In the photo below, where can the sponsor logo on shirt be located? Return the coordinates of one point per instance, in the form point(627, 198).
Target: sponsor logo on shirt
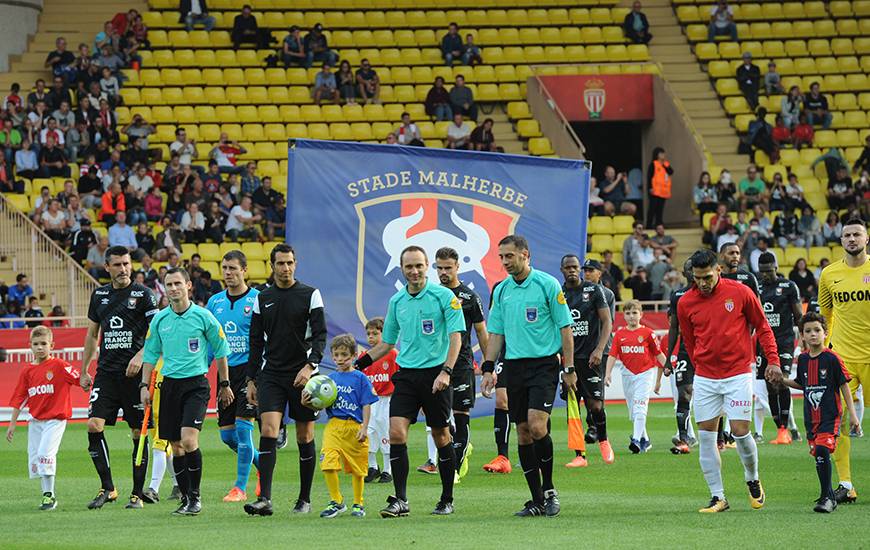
point(116, 338)
point(42, 389)
point(137, 293)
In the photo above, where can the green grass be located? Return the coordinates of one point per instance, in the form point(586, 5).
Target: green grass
point(648, 500)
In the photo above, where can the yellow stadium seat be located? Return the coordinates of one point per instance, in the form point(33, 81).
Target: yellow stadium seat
point(208, 58)
point(748, 12)
point(803, 29)
point(796, 48)
point(819, 47)
point(540, 146)
point(162, 114)
point(209, 252)
point(149, 96)
point(601, 242)
point(297, 130)
point(730, 50)
point(310, 113)
point(805, 65)
point(518, 110)
point(340, 131)
point(332, 113)
point(706, 51)
point(818, 253)
point(529, 35)
point(727, 86)
point(213, 77)
point(848, 138)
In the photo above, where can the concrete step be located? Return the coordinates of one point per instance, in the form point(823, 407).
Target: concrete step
point(660, 51)
point(691, 87)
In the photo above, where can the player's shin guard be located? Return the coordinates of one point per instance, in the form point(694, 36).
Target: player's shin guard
point(99, 451)
point(600, 419)
point(141, 471)
point(460, 437)
point(194, 471)
point(268, 446)
point(683, 418)
point(711, 463)
point(247, 455)
point(230, 439)
point(179, 465)
point(748, 451)
point(307, 465)
point(399, 463)
point(544, 452)
point(842, 456)
point(823, 469)
point(532, 471)
point(447, 469)
point(502, 430)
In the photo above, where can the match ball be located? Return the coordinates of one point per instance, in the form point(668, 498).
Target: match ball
point(322, 390)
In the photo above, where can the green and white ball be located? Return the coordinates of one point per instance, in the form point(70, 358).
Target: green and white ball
point(322, 390)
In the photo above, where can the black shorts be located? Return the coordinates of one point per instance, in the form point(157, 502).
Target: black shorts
point(499, 372)
point(462, 382)
point(785, 350)
point(590, 379)
point(684, 371)
point(531, 384)
point(274, 393)
point(113, 391)
point(413, 391)
point(239, 408)
point(183, 404)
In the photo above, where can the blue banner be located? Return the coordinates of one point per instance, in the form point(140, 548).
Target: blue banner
point(353, 207)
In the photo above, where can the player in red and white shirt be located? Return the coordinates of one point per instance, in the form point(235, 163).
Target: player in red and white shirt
point(380, 374)
point(717, 317)
point(44, 388)
point(637, 347)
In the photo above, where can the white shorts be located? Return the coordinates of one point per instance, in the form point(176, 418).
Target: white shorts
point(637, 389)
point(43, 441)
point(379, 425)
point(760, 391)
point(732, 397)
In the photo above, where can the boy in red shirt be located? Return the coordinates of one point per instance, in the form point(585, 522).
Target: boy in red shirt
point(380, 374)
point(44, 388)
point(638, 349)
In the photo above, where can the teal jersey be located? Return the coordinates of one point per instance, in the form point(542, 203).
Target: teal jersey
point(421, 325)
point(184, 341)
point(530, 315)
point(234, 314)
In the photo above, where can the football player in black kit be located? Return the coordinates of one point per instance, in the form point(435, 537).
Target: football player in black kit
point(781, 300)
point(682, 369)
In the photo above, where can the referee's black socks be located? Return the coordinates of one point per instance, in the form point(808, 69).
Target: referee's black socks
point(502, 429)
point(182, 477)
point(194, 471)
point(307, 465)
point(400, 466)
point(99, 451)
point(268, 446)
point(446, 469)
point(544, 452)
point(532, 470)
point(141, 470)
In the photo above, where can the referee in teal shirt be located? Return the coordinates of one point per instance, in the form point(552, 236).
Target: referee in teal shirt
point(531, 319)
point(427, 319)
point(182, 334)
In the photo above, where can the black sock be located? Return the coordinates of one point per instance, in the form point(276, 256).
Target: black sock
point(532, 471)
point(784, 405)
point(580, 453)
point(446, 469)
point(773, 402)
point(544, 452)
point(307, 465)
point(99, 451)
point(823, 469)
point(683, 414)
point(182, 477)
point(460, 438)
point(400, 466)
point(194, 471)
point(140, 471)
point(267, 464)
point(502, 429)
point(600, 418)
point(720, 436)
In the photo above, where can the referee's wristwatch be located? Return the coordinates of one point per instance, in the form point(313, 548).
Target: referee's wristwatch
point(448, 370)
point(224, 384)
point(568, 369)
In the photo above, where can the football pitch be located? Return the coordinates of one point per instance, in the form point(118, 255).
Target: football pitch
point(648, 500)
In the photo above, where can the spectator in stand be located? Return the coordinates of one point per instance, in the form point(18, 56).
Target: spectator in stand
point(129, 51)
point(663, 243)
point(438, 102)
point(276, 218)
point(40, 93)
point(8, 184)
point(245, 29)
point(390, 139)
point(482, 137)
point(786, 230)
point(760, 135)
point(75, 214)
point(140, 31)
point(862, 163)
point(636, 26)
point(19, 292)
point(195, 12)
point(226, 154)
point(82, 65)
point(59, 93)
point(408, 132)
point(639, 284)
point(325, 86)
point(205, 288)
point(40, 203)
point(752, 189)
point(175, 202)
point(790, 106)
point(57, 311)
point(611, 274)
point(759, 215)
point(184, 146)
point(834, 162)
point(705, 195)
point(144, 240)
point(34, 310)
point(10, 312)
point(471, 52)
point(810, 227)
point(368, 83)
point(643, 254)
point(823, 263)
point(140, 181)
point(84, 113)
point(795, 193)
point(242, 223)
point(749, 80)
point(112, 203)
point(13, 99)
point(96, 260)
point(82, 241)
point(51, 131)
point(317, 48)
point(250, 181)
point(458, 133)
point(108, 37)
point(168, 241)
point(630, 243)
point(772, 80)
point(110, 86)
point(762, 246)
point(293, 49)
point(52, 161)
point(730, 236)
point(816, 107)
point(265, 197)
point(804, 279)
point(197, 195)
point(722, 22)
point(109, 120)
point(26, 162)
point(212, 180)
point(451, 45)
point(718, 224)
point(778, 193)
point(109, 59)
point(90, 188)
point(147, 271)
point(742, 225)
point(53, 221)
point(781, 133)
point(10, 139)
point(193, 224)
point(657, 271)
point(78, 140)
point(61, 61)
point(840, 192)
point(803, 134)
point(613, 189)
point(121, 234)
point(659, 186)
point(215, 220)
point(66, 119)
point(346, 83)
point(462, 99)
point(138, 130)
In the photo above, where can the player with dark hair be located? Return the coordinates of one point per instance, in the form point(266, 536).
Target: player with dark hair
point(501, 422)
point(531, 320)
point(781, 301)
point(118, 317)
point(287, 339)
point(716, 320)
point(682, 369)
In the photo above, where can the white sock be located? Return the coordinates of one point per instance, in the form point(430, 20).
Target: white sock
point(711, 463)
point(859, 409)
point(690, 431)
point(846, 484)
point(388, 468)
point(47, 484)
point(172, 473)
point(792, 425)
point(639, 426)
point(748, 452)
point(158, 469)
point(758, 412)
point(433, 450)
point(373, 460)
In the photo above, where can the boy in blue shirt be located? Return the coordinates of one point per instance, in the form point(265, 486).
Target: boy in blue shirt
point(345, 439)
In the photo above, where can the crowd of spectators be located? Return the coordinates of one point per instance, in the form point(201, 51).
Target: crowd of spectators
point(18, 302)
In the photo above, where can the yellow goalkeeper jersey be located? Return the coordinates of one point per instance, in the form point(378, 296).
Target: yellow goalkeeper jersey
point(844, 300)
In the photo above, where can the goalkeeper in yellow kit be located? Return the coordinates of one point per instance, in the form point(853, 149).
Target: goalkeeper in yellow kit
point(160, 449)
point(844, 300)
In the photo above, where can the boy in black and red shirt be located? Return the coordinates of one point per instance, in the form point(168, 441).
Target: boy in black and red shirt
point(823, 378)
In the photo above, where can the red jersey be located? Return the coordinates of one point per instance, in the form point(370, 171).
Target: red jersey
point(637, 349)
point(717, 330)
point(45, 388)
point(380, 373)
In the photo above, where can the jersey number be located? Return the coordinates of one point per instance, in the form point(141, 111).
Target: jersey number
point(681, 366)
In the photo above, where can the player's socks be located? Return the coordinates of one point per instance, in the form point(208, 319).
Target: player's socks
point(758, 412)
point(748, 451)
point(194, 471)
point(230, 439)
point(399, 462)
point(460, 438)
point(433, 450)
point(823, 469)
point(600, 419)
point(47, 483)
point(711, 462)
point(99, 451)
point(141, 471)
point(244, 433)
point(502, 430)
point(447, 470)
point(179, 464)
point(333, 485)
point(544, 452)
point(639, 426)
point(842, 460)
point(158, 469)
point(373, 460)
point(359, 484)
point(859, 409)
point(268, 446)
point(683, 418)
point(531, 471)
point(388, 466)
point(720, 432)
point(307, 465)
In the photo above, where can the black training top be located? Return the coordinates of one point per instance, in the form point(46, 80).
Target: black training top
point(472, 310)
point(777, 299)
point(584, 301)
point(123, 315)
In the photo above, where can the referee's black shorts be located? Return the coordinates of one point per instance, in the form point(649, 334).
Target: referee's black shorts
point(183, 404)
point(499, 373)
point(531, 384)
point(276, 391)
point(413, 391)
